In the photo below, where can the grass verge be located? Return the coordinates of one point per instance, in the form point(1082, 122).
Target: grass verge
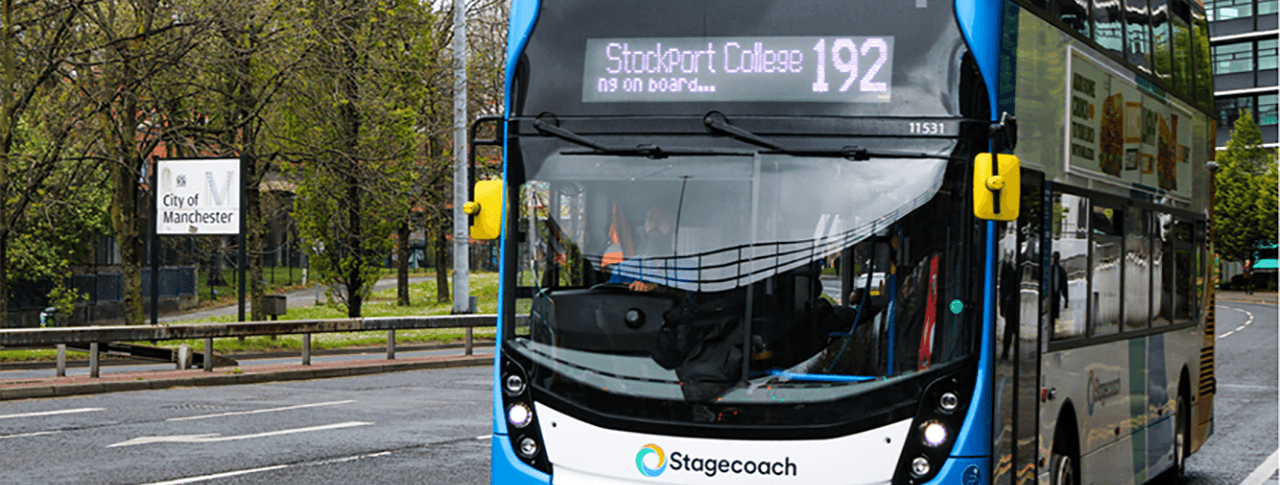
point(484, 286)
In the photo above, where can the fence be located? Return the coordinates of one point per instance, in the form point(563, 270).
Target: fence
point(93, 336)
point(105, 287)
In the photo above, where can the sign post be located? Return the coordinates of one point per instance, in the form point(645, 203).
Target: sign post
point(196, 197)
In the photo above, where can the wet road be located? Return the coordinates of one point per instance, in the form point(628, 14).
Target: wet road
point(433, 426)
point(1245, 407)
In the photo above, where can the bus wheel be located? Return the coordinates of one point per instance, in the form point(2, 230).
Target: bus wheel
point(1062, 469)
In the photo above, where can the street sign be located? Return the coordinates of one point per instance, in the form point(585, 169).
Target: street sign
point(200, 196)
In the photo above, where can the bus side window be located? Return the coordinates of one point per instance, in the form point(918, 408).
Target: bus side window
point(1108, 26)
point(1182, 80)
point(1106, 265)
point(1043, 5)
point(1066, 276)
point(1161, 52)
point(1184, 273)
point(1199, 279)
point(1137, 272)
point(1200, 58)
point(1138, 34)
point(1162, 291)
point(1074, 13)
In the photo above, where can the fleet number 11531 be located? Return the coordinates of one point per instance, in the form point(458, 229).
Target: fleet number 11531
point(927, 128)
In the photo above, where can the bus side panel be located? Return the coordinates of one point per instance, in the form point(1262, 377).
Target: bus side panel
point(1124, 396)
point(1104, 466)
point(1202, 426)
point(1097, 380)
point(1203, 388)
point(1162, 391)
point(506, 469)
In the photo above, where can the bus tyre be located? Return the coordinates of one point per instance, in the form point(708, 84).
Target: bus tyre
point(1062, 469)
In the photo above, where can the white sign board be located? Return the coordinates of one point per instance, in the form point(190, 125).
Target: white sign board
point(198, 196)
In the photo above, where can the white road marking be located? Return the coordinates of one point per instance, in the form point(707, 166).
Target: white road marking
point(24, 435)
point(1246, 322)
point(216, 476)
point(485, 437)
point(215, 438)
point(258, 411)
point(1264, 471)
point(52, 413)
point(219, 475)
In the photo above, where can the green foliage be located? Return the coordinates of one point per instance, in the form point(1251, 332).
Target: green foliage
point(354, 117)
point(1245, 202)
point(354, 97)
point(64, 299)
point(62, 209)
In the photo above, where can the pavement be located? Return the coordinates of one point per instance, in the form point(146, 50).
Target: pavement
point(43, 387)
point(1258, 297)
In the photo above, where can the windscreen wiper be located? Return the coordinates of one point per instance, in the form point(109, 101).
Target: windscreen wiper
point(715, 121)
point(641, 150)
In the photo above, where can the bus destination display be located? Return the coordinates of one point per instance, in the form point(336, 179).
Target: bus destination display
point(798, 69)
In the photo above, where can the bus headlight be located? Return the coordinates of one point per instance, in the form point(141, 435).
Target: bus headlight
point(949, 402)
point(935, 434)
point(519, 415)
point(920, 466)
point(938, 423)
point(528, 447)
point(513, 384)
point(516, 391)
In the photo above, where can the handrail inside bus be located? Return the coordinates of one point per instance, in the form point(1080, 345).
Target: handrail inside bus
point(796, 376)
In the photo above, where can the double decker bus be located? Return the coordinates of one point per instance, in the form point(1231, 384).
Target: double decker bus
point(854, 241)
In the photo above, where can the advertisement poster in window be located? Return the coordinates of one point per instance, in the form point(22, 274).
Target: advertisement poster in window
point(1125, 130)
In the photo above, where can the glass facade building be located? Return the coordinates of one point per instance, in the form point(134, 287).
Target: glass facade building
point(1243, 38)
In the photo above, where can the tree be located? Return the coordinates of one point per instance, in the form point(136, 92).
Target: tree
point(1245, 202)
point(37, 115)
point(129, 45)
point(353, 124)
point(252, 53)
point(62, 207)
point(486, 43)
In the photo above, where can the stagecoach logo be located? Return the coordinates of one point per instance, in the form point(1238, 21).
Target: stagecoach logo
point(1099, 391)
point(645, 451)
point(652, 461)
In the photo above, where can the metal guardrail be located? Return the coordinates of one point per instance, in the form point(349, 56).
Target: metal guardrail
point(60, 337)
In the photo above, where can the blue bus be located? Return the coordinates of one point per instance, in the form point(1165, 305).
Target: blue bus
point(1016, 192)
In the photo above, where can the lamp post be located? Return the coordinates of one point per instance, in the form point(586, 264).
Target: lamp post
point(461, 229)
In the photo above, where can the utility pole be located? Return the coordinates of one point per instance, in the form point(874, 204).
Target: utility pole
point(461, 228)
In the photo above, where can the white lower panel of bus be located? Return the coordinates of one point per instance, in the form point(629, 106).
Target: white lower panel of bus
point(584, 454)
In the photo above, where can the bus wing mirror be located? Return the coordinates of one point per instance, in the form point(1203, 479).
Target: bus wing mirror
point(996, 186)
point(486, 210)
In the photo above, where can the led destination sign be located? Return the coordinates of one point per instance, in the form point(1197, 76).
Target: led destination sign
point(806, 69)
